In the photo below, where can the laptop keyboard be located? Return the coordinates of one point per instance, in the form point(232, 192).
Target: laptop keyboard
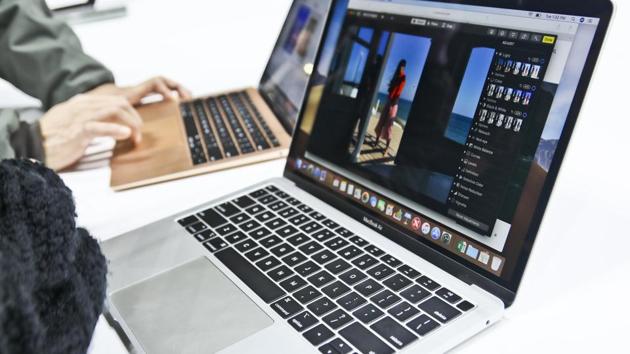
point(225, 126)
point(335, 288)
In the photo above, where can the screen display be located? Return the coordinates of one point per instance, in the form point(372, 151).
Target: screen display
point(443, 120)
point(286, 76)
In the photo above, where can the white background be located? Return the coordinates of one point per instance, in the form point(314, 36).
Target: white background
point(575, 296)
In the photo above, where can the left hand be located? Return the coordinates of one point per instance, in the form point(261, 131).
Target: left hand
point(134, 94)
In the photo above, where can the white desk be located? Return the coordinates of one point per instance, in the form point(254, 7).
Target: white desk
point(574, 297)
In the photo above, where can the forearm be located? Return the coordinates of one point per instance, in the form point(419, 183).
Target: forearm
point(19, 139)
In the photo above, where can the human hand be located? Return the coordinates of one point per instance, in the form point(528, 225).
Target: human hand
point(68, 128)
point(134, 94)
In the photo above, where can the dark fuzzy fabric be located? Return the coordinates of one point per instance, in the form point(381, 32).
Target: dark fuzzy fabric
point(52, 275)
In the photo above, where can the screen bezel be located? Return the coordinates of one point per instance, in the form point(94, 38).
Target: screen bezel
point(286, 122)
point(504, 289)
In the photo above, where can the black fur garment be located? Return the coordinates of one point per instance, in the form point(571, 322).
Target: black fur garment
point(52, 275)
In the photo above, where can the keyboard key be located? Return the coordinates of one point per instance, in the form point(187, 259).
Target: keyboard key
point(409, 272)
point(439, 309)
point(246, 246)
point(226, 229)
point(271, 241)
point(391, 261)
point(368, 313)
point(415, 294)
point(323, 235)
point(368, 287)
point(465, 306)
point(448, 295)
point(288, 212)
point(259, 233)
point(287, 307)
point(318, 334)
point(335, 289)
point(321, 278)
point(272, 188)
point(265, 216)
point(268, 263)
point(205, 235)
point(310, 227)
point(282, 250)
point(307, 268)
point(275, 224)
point(394, 333)
point(365, 261)
point(307, 295)
point(259, 193)
point(344, 232)
point(423, 325)
point(340, 346)
point(364, 340)
point(303, 321)
point(351, 301)
point(239, 218)
point(352, 276)
point(337, 319)
point(298, 220)
point(268, 199)
point(349, 252)
point(322, 306)
point(216, 244)
point(375, 251)
point(330, 224)
point(279, 205)
point(358, 241)
point(428, 283)
point(187, 220)
point(280, 273)
point(298, 239)
point(236, 237)
point(282, 194)
point(305, 208)
point(256, 254)
point(403, 311)
point(337, 266)
point(196, 227)
point(385, 299)
point(249, 225)
point(317, 216)
point(293, 201)
point(311, 247)
point(252, 277)
point(380, 271)
point(244, 202)
point(324, 257)
point(227, 209)
point(254, 209)
point(336, 243)
point(292, 284)
point(294, 259)
point(397, 282)
point(286, 231)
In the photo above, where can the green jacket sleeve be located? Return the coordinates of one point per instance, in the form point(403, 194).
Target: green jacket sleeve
point(19, 139)
point(42, 56)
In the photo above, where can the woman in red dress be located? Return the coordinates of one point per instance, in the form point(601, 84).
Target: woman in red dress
point(390, 110)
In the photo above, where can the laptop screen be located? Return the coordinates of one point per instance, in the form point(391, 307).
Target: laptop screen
point(442, 120)
point(286, 76)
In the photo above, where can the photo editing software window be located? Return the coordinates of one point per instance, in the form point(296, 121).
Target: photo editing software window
point(444, 119)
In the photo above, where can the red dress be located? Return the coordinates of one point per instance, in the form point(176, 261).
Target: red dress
point(390, 111)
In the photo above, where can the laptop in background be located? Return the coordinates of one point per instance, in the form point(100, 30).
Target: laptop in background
point(81, 11)
point(424, 158)
point(233, 128)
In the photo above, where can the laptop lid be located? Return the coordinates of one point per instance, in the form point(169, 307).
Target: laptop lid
point(286, 76)
point(442, 125)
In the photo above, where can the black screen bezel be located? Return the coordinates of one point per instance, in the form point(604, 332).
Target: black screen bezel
point(504, 289)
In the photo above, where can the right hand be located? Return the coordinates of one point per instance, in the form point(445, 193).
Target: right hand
point(68, 128)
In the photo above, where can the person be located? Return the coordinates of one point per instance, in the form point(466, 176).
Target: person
point(43, 57)
point(390, 109)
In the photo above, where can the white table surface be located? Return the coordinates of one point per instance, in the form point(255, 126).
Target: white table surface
point(575, 296)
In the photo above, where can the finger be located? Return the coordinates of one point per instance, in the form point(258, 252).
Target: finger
point(94, 129)
point(183, 92)
point(121, 114)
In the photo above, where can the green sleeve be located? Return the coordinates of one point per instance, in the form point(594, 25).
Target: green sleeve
point(42, 56)
point(9, 122)
point(19, 139)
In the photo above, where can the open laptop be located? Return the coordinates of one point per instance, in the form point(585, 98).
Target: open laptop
point(228, 129)
point(406, 231)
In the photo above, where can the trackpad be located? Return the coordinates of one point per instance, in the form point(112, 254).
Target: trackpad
point(193, 308)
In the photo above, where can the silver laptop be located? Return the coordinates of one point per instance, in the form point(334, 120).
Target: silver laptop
point(424, 157)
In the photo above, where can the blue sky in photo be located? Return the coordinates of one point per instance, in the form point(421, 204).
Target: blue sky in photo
point(415, 50)
point(473, 83)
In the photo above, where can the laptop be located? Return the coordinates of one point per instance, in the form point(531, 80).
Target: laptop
point(231, 128)
point(424, 157)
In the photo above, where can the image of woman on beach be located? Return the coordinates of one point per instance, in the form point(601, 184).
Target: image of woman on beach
point(390, 110)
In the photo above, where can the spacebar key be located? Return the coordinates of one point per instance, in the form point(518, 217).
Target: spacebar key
point(364, 340)
point(250, 275)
